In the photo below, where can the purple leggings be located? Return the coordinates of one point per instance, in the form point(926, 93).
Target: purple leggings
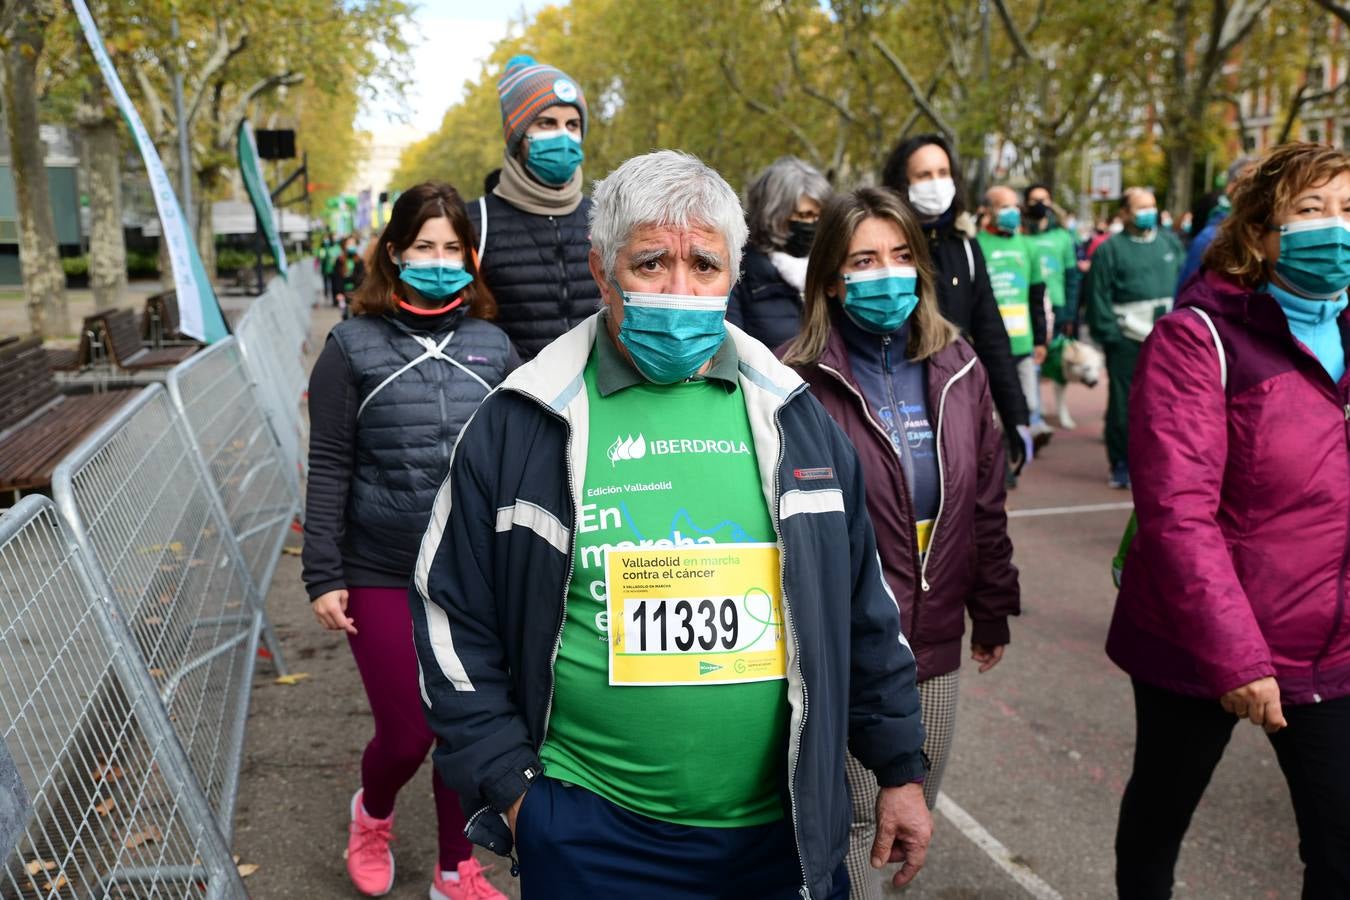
point(384, 654)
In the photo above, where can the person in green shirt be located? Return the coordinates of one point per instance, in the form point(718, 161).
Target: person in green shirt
point(649, 607)
point(1019, 288)
point(329, 251)
point(1059, 261)
point(1129, 287)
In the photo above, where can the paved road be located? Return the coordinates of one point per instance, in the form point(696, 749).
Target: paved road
point(1042, 750)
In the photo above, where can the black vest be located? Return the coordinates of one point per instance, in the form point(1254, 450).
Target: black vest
point(537, 268)
point(406, 427)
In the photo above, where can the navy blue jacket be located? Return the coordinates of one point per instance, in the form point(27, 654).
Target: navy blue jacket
point(489, 597)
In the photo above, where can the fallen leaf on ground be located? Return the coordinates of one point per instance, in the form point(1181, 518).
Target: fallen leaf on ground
point(40, 865)
point(105, 807)
point(149, 835)
point(153, 620)
point(291, 551)
point(247, 869)
point(56, 885)
point(156, 673)
point(293, 678)
point(106, 772)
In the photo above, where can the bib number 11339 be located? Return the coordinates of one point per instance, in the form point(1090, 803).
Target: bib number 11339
point(695, 615)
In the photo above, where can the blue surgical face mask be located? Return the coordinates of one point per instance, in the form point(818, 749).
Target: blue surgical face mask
point(881, 300)
point(554, 156)
point(669, 336)
point(434, 279)
point(1315, 256)
point(1146, 219)
point(1008, 219)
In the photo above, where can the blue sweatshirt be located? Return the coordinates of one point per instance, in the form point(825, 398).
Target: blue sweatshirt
point(1314, 323)
point(896, 390)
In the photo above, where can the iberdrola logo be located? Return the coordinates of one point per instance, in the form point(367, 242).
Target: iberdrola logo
point(627, 448)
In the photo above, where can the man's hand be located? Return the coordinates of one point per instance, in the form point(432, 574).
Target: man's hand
point(904, 829)
point(987, 655)
point(331, 611)
point(1038, 355)
point(1258, 701)
point(512, 813)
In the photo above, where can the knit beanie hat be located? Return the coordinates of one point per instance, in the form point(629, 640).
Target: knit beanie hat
point(526, 89)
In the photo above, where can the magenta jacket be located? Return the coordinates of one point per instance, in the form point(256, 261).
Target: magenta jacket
point(969, 563)
point(1239, 567)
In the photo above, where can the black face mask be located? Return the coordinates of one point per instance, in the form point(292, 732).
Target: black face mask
point(1037, 211)
point(800, 237)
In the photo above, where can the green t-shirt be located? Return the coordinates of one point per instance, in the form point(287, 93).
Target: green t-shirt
point(675, 465)
point(1014, 267)
point(1055, 251)
point(1130, 284)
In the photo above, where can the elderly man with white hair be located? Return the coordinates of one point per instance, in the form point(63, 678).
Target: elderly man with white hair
point(648, 607)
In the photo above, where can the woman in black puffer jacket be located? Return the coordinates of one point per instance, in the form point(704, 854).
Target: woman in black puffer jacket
point(924, 171)
point(783, 204)
point(389, 394)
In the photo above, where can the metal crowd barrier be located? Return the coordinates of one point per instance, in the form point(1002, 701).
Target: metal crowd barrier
point(97, 798)
point(143, 510)
point(230, 432)
point(272, 353)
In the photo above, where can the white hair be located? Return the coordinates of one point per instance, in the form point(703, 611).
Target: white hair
point(665, 188)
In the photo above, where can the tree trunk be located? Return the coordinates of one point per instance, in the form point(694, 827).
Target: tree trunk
point(44, 281)
point(107, 244)
point(206, 235)
point(1180, 174)
point(1047, 168)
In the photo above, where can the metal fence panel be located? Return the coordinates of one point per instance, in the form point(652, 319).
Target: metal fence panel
point(112, 809)
point(265, 369)
point(140, 506)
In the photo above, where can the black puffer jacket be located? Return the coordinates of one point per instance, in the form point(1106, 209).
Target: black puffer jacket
point(968, 303)
point(537, 268)
point(379, 448)
point(763, 304)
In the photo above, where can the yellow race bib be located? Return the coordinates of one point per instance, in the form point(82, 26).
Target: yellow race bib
point(695, 615)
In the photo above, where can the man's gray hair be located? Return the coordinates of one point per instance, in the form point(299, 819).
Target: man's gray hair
point(666, 188)
point(773, 196)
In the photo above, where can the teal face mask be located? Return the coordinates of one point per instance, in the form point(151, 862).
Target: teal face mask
point(1315, 256)
point(435, 279)
point(1146, 219)
point(669, 336)
point(882, 299)
point(1008, 219)
point(554, 156)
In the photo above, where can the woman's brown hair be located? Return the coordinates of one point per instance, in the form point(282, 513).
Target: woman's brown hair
point(377, 295)
point(1266, 188)
point(928, 332)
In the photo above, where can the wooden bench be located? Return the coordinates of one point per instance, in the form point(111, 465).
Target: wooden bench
point(160, 324)
point(122, 342)
point(38, 424)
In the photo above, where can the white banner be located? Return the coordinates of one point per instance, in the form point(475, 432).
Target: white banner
point(198, 310)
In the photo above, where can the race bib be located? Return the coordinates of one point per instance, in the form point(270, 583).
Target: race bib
point(695, 615)
point(1016, 319)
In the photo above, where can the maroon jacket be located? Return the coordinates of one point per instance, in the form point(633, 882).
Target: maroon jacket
point(1238, 570)
point(969, 564)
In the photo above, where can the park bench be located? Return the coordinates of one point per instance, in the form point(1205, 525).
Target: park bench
point(38, 424)
point(160, 322)
point(122, 343)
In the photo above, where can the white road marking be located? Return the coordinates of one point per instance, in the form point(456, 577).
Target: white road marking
point(1029, 880)
point(1069, 510)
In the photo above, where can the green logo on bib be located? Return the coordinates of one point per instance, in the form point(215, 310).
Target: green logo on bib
point(707, 668)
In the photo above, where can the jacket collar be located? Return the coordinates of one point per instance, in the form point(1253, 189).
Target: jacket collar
point(941, 365)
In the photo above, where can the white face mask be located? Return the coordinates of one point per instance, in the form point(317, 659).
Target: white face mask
point(1116, 226)
point(932, 197)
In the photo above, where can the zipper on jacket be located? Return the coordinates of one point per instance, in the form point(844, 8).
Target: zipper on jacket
point(797, 645)
point(565, 295)
point(867, 416)
point(942, 477)
point(1340, 599)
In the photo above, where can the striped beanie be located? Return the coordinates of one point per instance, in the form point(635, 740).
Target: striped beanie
point(526, 89)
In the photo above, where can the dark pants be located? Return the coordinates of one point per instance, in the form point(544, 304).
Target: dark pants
point(1121, 358)
point(575, 845)
point(1179, 740)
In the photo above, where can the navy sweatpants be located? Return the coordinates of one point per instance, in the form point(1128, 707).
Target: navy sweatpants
point(575, 845)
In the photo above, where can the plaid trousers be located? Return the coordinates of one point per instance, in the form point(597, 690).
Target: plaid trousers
point(938, 698)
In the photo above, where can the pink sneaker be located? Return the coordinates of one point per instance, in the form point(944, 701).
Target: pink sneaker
point(471, 885)
point(369, 861)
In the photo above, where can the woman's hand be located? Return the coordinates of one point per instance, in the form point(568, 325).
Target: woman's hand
point(987, 655)
point(331, 611)
point(1258, 701)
